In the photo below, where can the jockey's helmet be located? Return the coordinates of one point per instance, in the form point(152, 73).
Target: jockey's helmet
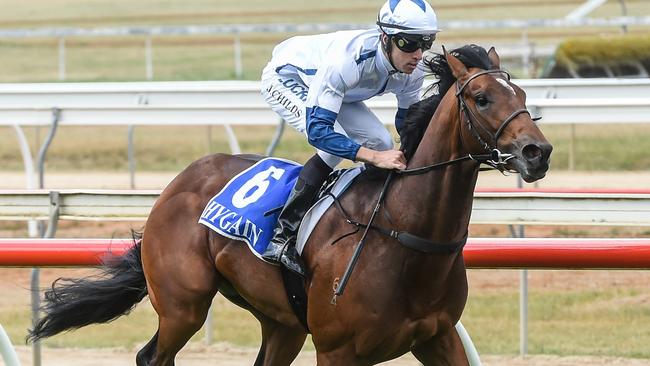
point(407, 17)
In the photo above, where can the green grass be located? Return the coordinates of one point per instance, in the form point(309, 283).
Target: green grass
point(33, 13)
point(602, 148)
point(581, 322)
point(211, 57)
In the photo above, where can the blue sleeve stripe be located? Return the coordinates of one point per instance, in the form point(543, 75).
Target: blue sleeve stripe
point(365, 56)
point(321, 134)
point(304, 71)
point(400, 117)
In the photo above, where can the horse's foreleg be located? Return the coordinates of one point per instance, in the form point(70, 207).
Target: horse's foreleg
point(443, 349)
point(281, 344)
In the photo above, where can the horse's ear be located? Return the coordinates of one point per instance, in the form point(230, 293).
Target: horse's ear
point(458, 69)
point(494, 59)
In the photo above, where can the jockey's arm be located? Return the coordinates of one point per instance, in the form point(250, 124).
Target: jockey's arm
point(321, 134)
point(324, 100)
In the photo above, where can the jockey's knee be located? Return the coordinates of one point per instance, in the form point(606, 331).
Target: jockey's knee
point(380, 142)
point(331, 160)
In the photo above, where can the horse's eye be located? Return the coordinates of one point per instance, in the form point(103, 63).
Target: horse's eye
point(482, 101)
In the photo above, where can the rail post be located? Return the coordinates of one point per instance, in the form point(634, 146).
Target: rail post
point(239, 69)
point(61, 59)
point(148, 58)
point(7, 349)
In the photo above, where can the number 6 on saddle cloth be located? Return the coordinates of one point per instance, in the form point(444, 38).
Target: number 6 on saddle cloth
point(246, 208)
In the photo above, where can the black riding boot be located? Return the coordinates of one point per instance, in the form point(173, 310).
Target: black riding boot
point(282, 248)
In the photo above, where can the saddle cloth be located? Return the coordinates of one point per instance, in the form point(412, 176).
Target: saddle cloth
point(246, 207)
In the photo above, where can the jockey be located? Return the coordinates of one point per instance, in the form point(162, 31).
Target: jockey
point(318, 83)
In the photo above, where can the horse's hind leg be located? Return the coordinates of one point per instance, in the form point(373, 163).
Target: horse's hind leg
point(180, 315)
point(280, 344)
point(182, 301)
point(443, 349)
point(181, 279)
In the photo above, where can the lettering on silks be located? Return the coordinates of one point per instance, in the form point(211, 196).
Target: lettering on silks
point(231, 222)
point(296, 88)
point(284, 101)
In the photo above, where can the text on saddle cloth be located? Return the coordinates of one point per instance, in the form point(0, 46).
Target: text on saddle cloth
point(246, 207)
point(238, 210)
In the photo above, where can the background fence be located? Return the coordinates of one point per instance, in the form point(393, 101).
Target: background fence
point(493, 207)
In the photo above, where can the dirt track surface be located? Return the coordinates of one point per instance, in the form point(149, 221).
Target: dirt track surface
point(224, 355)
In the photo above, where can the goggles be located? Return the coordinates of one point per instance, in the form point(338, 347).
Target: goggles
point(412, 42)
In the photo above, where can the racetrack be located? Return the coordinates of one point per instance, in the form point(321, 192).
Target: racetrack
point(225, 355)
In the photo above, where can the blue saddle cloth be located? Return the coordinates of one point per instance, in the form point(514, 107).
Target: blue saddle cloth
point(237, 211)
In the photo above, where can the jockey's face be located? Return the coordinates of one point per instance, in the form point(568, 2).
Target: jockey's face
point(405, 62)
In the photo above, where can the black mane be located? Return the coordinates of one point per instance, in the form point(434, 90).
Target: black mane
point(420, 113)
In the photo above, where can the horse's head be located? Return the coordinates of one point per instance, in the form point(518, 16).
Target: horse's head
point(493, 113)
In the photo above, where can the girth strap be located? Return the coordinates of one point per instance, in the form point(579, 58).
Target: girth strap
point(416, 242)
point(407, 239)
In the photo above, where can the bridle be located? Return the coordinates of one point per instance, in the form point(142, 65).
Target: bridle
point(499, 159)
point(494, 157)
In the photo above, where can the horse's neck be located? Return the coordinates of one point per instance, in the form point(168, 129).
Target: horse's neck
point(441, 199)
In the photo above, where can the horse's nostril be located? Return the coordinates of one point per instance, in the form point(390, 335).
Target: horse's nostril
point(531, 152)
point(546, 151)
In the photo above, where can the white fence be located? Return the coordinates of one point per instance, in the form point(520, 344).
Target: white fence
point(511, 207)
point(198, 103)
point(231, 103)
point(227, 103)
point(185, 30)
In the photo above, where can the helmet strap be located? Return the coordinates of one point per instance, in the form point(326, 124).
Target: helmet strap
point(388, 48)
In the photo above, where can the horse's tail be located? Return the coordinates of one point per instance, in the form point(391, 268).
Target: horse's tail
point(74, 303)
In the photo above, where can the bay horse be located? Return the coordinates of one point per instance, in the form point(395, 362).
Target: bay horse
point(398, 299)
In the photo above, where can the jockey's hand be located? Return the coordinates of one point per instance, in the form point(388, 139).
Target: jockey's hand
point(388, 159)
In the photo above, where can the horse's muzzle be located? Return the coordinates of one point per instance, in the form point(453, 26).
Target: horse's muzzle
point(531, 160)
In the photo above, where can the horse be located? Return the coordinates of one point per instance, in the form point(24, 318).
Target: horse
point(399, 299)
